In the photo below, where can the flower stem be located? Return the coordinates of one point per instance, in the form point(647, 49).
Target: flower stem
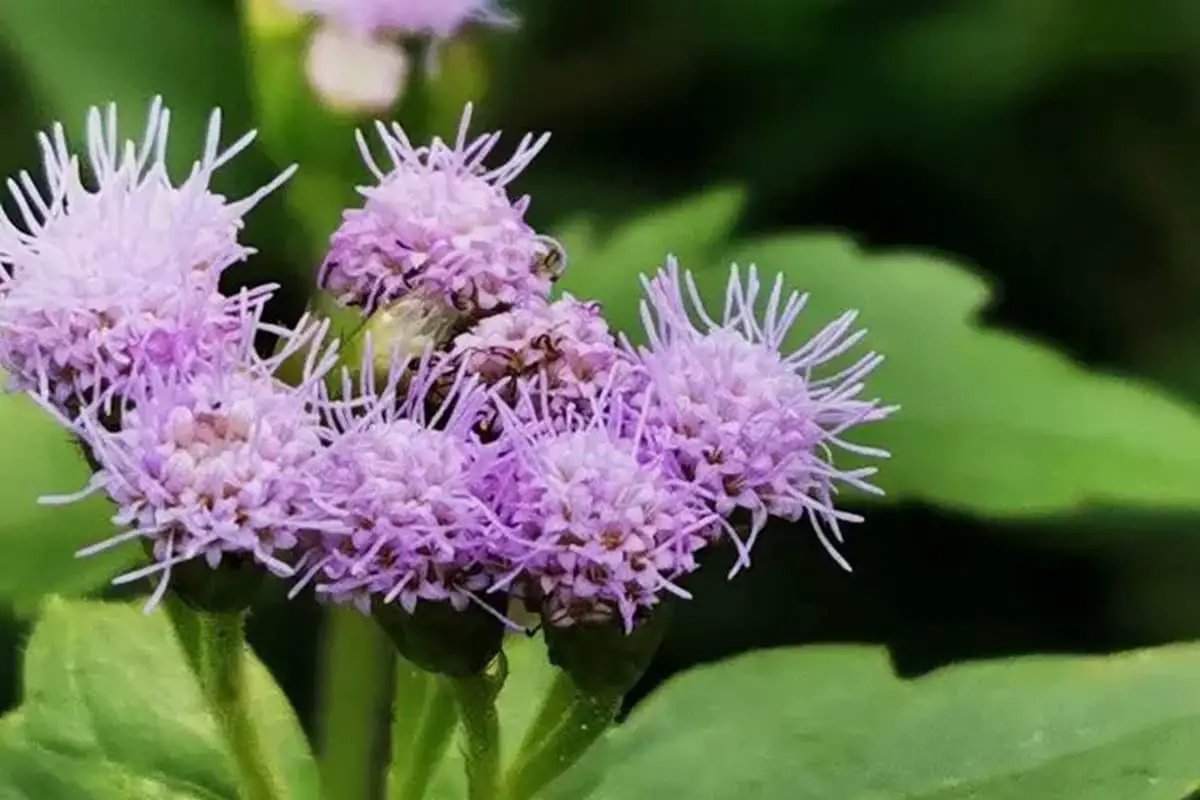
point(413, 687)
point(222, 667)
point(581, 723)
point(424, 721)
point(552, 711)
point(354, 706)
point(476, 698)
point(186, 624)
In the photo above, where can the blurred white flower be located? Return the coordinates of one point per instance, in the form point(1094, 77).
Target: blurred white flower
point(354, 73)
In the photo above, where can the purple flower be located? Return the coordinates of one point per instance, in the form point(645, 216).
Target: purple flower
point(603, 528)
point(438, 19)
point(562, 352)
point(100, 285)
point(441, 226)
point(216, 463)
point(750, 425)
point(400, 485)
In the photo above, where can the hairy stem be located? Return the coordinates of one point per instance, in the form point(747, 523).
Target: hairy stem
point(581, 723)
point(424, 721)
point(476, 699)
point(553, 710)
point(354, 706)
point(222, 658)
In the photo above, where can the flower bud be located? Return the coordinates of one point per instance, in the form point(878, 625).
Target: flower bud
point(407, 328)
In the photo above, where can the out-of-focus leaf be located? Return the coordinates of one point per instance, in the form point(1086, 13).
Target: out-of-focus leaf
point(758, 31)
point(295, 126)
point(835, 722)
point(112, 710)
point(80, 53)
point(605, 266)
point(990, 422)
point(39, 542)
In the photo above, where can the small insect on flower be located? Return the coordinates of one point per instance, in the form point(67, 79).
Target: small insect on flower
point(99, 285)
point(603, 527)
point(564, 349)
point(400, 487)
point(552, 264)
point(441, 224)
point(752, 426)
point(215, 464)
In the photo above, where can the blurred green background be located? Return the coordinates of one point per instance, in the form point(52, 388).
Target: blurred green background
point(1052, 144)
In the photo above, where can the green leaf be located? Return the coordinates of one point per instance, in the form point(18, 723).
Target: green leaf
point(835, 722)
point(695, 230)
point(39, 542)
point(111, 710)
point(989, 422)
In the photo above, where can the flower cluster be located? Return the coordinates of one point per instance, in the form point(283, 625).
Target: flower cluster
point(216, 463)
point(439, 224)
point(103, 284)
point(604, 526)
point(403, 487)
point(743, 420)
point(556, 357)
point(486, 442)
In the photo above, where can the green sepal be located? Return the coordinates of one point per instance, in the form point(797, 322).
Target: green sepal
point(229, 588)
point(438, 638)
point(601, 658)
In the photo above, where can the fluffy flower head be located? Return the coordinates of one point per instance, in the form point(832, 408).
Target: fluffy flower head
point(563, 351)
point(439, 19)
point(752, 425)
point(213, 464)
point(400, 485)
point(602, 528)
point(440, 223)
point(101, 284)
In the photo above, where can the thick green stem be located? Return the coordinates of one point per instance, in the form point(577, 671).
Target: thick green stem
point(354, 706)
point(584, 721)
point(552, 711)
point(476, 698)
point(413, 688)
point(186, 623)
point(222, 668)
point(424, 723)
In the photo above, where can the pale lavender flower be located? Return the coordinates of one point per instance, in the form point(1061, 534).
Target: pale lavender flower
point(440, 225)
point(400, 485)
point(437, 19)
point(217, 463)
point(563, 349)
point(100, 284)
point(603, 528)
point(753, 426)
